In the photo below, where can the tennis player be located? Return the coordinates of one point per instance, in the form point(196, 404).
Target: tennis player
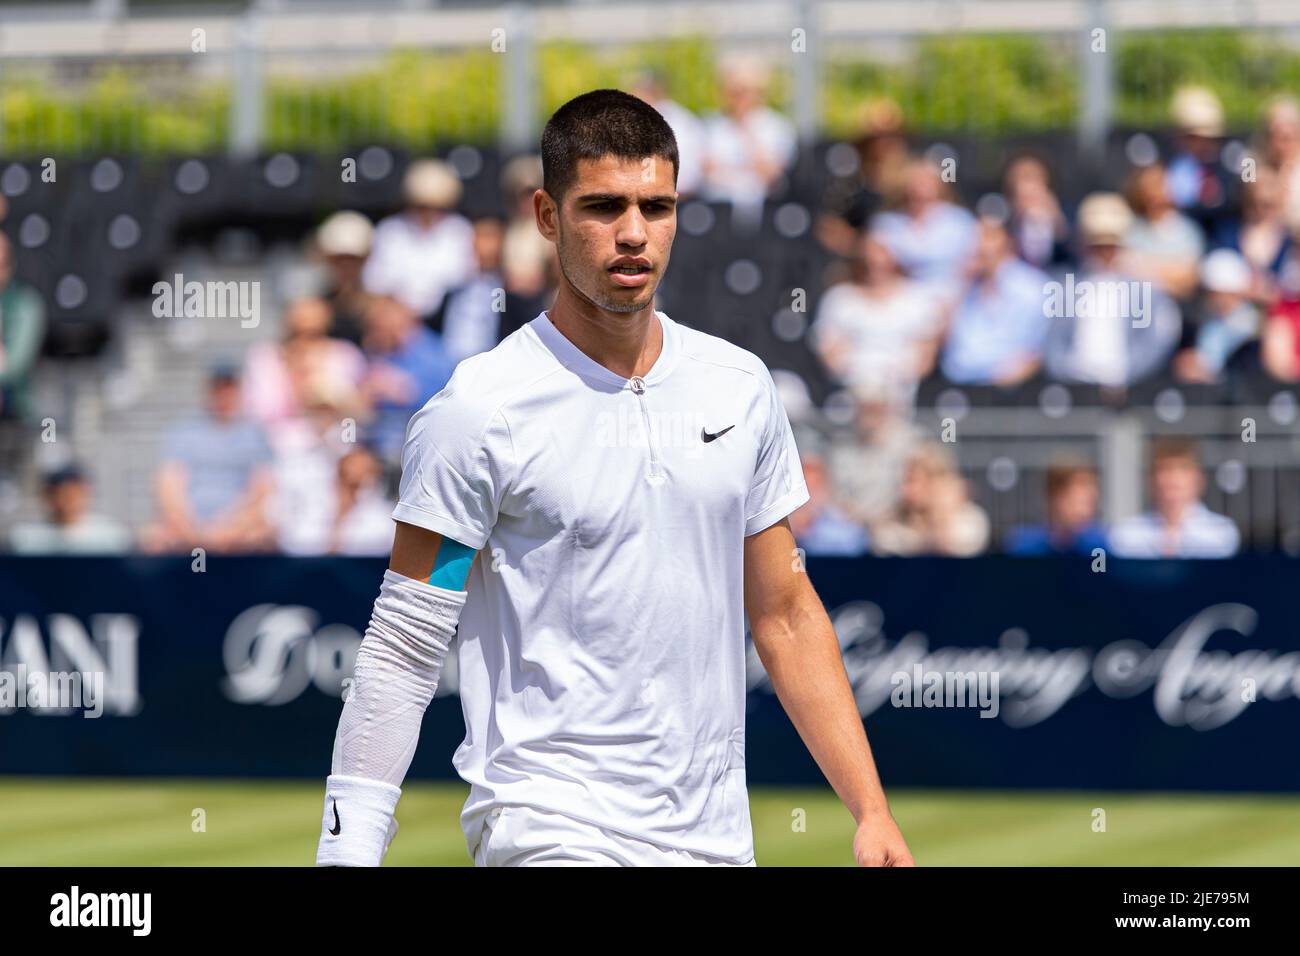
point(597, 502)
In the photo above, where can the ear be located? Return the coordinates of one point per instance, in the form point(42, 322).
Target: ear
point(547, 214)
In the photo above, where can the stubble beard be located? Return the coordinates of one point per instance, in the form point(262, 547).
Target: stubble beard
point(570, 269)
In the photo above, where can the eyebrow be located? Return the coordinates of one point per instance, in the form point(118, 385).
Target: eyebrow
point(614, 197)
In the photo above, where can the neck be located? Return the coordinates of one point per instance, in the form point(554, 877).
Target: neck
point(626, 343)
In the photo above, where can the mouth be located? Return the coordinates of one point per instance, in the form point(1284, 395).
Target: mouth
point(630, 274)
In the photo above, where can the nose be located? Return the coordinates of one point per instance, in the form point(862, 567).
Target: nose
point(631, 228)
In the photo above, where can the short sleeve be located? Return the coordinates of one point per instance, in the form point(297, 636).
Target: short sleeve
point(455, 466)
point(778, 488)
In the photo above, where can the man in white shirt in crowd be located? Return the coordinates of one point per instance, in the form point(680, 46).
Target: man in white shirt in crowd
point(427, 249)
point(1178, 525)
point(597, 502)
point(1108, 327)
point(748, 146)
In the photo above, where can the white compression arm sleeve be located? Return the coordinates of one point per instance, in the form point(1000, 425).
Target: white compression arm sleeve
point(397, 669)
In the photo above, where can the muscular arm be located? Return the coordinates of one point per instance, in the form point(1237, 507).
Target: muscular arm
point(798, 648)
point(416, 551)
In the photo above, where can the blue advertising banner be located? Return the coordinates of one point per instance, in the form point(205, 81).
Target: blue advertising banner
point(987, 672)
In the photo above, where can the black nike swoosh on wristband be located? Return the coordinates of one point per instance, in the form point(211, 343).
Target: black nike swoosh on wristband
point(704, 433)
point(338, 827)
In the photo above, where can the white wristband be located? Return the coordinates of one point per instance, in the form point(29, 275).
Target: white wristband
point(358, 823)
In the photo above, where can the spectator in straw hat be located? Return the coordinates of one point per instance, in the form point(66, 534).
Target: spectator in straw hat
point(343, 241)
point(1198, 183)
point(426, 249)
point(1108, 328)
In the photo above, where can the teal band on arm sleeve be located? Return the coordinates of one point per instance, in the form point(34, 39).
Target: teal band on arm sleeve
point(451, 565)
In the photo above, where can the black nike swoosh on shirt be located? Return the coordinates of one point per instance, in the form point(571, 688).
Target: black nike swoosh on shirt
point(338, 827)
point(704, 433)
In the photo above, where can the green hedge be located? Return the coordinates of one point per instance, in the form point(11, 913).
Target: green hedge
point(976, 84)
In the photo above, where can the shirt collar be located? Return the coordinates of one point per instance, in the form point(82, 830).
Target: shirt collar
point(572, 357)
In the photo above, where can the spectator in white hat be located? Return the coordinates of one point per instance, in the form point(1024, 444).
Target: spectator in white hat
point(343, 241)
point(1198, 183)
point(1109, 327)
point(1226, 319)
point(428, 248)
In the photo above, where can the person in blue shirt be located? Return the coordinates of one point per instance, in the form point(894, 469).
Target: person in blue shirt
point(408, 365)
point(820, 527)
point(998, 330)
point(1071, 527)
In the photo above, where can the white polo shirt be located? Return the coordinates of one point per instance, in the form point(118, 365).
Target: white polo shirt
point(601, 650)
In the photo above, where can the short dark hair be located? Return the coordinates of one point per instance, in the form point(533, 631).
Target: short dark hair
point(1064, 471)
point(1174, 449)
point(597, 124)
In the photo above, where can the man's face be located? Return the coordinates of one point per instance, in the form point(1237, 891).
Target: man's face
point(68, 501)
point(613, 230)
point(1075, 505)
point(223, 399)
point(1177, 482)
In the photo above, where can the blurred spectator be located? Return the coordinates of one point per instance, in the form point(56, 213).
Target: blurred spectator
point(687, 130)
point(1280, 349)
point(420, 253)
point(528, 261)
point(1198, 183)
point(330, 496)
point(69, 526)
point(363, 517)
point(306, 469)
point(1179, 525)
point(747, 147)
point(408, 366)
point(1111, 329)
point(1281, 153)
point(22, 330)
point(344, 240)
point(281, 379)
point(1162, 244)
point(931, 237)
point(867, 470)
point(878, 328)
point(820, 527)
point(1225, 321)
point(1039, 233)
point(1260, 234)
point(214, 480)
point(851, 202)
point(934, 515)
point(476, 316)
point(1072, 527)
point(998, 326)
